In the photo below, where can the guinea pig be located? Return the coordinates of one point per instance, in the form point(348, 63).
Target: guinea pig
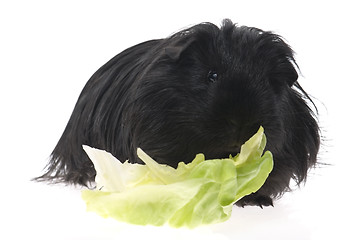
point(205, 89)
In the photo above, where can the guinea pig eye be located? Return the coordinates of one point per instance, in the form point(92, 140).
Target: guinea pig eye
point(212, 76)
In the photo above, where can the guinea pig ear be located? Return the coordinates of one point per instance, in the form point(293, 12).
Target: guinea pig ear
point(175, 50)
point(285, 72)
point(290, 73)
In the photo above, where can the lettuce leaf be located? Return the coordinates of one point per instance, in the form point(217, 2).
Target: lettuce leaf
point(193, 194)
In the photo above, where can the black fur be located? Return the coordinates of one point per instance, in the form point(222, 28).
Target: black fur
point(205, 89)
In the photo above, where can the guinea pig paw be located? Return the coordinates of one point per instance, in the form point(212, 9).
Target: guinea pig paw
point(255, 199)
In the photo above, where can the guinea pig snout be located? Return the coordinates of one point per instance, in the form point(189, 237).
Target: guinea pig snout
point(231, 143)
point(240, 131)
point(231, 150)
point(223, 152)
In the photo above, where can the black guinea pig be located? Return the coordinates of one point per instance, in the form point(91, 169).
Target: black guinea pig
point(202, 90)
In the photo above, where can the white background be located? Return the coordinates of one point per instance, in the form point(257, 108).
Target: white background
point(49, 49)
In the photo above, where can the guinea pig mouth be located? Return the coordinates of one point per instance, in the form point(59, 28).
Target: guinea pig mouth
point(223, 152)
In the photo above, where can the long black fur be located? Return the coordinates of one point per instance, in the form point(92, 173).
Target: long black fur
point(204, 89)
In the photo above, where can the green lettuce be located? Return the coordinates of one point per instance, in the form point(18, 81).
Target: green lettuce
point(193, 194)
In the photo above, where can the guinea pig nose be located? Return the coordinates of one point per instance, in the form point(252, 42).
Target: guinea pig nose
point(235, 124)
